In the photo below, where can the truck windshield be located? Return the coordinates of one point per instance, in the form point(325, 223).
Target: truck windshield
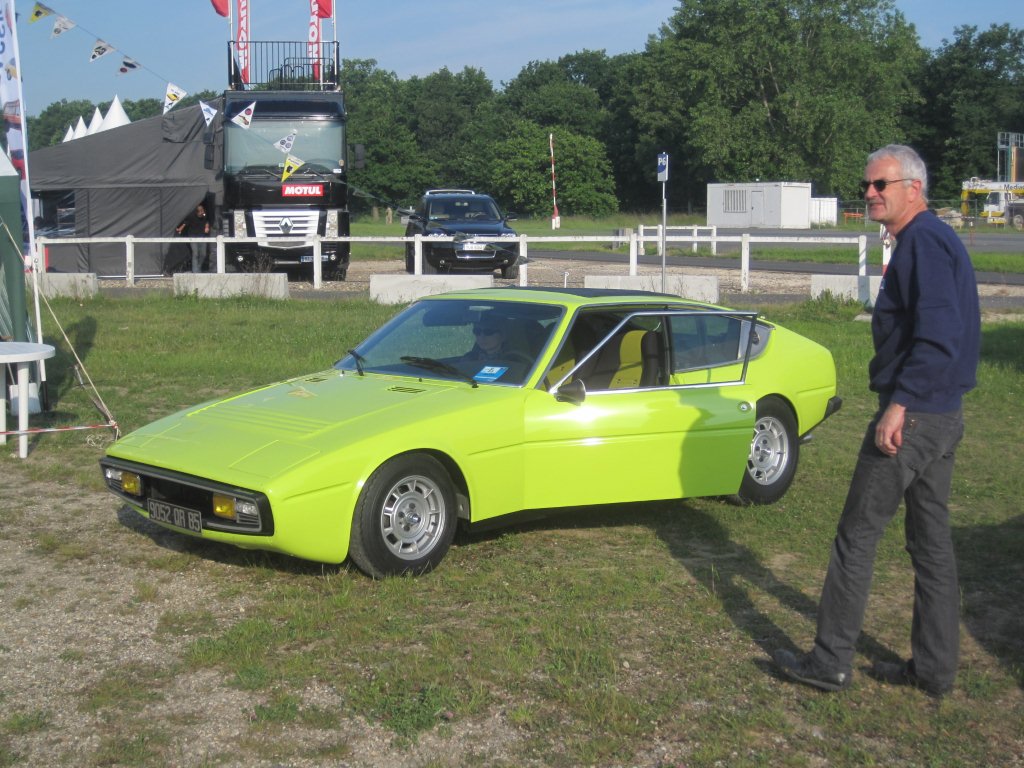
point(319, 143)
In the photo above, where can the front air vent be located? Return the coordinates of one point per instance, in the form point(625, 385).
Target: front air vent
point(406, 390)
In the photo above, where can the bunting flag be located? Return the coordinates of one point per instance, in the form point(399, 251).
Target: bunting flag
point(285, 144)
point(128, 64)
point(244, 118)
point(39, 11)
point(173, 95)
point(100, 49)
point(208, 112)
point(61, 25)
point(291, 165)
point(220, 6)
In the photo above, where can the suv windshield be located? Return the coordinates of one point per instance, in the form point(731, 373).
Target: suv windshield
point(475, 208)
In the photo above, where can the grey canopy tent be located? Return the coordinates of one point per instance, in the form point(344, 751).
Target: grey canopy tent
point(139, 179)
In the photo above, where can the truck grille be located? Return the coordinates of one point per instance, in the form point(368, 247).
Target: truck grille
point(299, 224)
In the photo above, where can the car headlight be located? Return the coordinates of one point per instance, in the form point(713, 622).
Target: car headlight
point(235, 509)
point(126, 482)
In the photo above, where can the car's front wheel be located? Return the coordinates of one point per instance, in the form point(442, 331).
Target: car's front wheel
point(404, 520)
point(774, 452)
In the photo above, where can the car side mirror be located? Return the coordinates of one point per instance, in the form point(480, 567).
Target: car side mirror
point(571, 392)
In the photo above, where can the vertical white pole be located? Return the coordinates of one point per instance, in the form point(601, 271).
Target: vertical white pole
point(664, 228)
point(745, 264)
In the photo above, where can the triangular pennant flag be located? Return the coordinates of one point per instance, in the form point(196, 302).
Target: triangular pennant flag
point(39, 11)
point(101, 49)
point(128, 64)
point(208, 112)
point(61, 25)
point(244, 118)
point(173, 95)
point(291, 165)
point(285, 144)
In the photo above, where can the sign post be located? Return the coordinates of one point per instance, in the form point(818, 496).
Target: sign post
point(663, 178)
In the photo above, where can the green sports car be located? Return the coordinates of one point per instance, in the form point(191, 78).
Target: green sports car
point(474, 405)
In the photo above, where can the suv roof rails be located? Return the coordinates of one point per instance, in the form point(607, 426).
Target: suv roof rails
point(450, 192)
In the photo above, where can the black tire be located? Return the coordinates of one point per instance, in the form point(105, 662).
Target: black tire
point(510, 272)
point(774, 454)
point(1018, 221)
point(405, 518)
point(410, 260)
point(335, 273)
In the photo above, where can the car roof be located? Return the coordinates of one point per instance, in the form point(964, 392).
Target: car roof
point(573, 297)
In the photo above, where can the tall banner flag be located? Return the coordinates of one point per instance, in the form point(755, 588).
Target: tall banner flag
point(323, 8)
point(313, 40)
point(242, 40)
point(220, 6)
point(12, 286)
point(173, 95)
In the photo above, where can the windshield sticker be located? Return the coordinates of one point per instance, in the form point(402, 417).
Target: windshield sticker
point(490, 373)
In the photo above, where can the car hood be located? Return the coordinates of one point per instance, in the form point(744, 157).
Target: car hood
point(473, 228)
point(266, 431)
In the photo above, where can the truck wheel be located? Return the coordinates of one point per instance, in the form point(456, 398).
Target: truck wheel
point(335, 273)
point(1018, 221)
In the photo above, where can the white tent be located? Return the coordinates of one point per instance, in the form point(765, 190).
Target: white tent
point(115, 117)
point(70, 134)
point(80, 129)
point(94, 124)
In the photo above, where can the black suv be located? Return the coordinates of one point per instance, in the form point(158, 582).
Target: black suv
point(483, 241)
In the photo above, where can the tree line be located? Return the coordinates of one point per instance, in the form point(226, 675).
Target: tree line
point(733, 90)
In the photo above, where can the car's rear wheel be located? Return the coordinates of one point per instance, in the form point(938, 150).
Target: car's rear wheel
point(404, 520)
point(774, 453)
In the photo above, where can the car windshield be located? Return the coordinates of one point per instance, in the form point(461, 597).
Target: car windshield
point(479, 342)
point(477, 208)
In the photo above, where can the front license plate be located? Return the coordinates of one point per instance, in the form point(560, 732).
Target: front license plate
point(169, 514)
point(474, 246)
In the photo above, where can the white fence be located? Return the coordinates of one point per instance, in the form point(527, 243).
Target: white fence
point(636, 241)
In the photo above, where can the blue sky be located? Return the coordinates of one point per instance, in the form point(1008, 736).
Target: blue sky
point(184, 41)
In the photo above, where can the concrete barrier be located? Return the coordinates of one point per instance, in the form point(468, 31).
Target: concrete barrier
point(862, 288)
point(221, 286)
point(698, 288)
point(77, 285)
point(401, 289)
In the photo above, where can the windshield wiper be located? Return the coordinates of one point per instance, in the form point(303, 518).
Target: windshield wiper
point(359, 361)
point(437, 366)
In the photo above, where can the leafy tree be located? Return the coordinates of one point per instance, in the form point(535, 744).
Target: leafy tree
point(546, 93)
point(437, 109)
point(973, 88)
point(784, 90)
point(51, 125)
point(522, 173)
point(396, 170)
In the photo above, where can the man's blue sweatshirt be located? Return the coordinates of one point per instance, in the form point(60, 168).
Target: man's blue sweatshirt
point(926, 323)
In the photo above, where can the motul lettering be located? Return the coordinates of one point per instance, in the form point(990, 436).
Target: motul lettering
point(302, 190)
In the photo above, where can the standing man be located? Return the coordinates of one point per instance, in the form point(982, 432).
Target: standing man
point(196, 224)
point(926, 332)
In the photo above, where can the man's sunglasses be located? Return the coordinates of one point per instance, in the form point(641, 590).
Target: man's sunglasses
point(879, 184)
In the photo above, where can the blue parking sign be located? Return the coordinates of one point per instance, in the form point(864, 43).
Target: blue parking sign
point(663, 166)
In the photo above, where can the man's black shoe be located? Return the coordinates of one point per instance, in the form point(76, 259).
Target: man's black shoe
point(803, 669)
point(903, 673)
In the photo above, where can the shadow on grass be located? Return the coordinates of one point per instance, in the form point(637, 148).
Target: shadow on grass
point(992, 581)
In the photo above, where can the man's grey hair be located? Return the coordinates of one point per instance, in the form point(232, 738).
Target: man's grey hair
point(911, 165)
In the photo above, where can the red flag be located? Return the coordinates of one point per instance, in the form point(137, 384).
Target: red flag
point(242, 39)
point(323, 8)
point(220, 6)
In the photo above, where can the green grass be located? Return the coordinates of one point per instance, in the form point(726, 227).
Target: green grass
point(627, 635)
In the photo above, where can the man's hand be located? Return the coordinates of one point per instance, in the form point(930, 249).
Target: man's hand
point(889, 430)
